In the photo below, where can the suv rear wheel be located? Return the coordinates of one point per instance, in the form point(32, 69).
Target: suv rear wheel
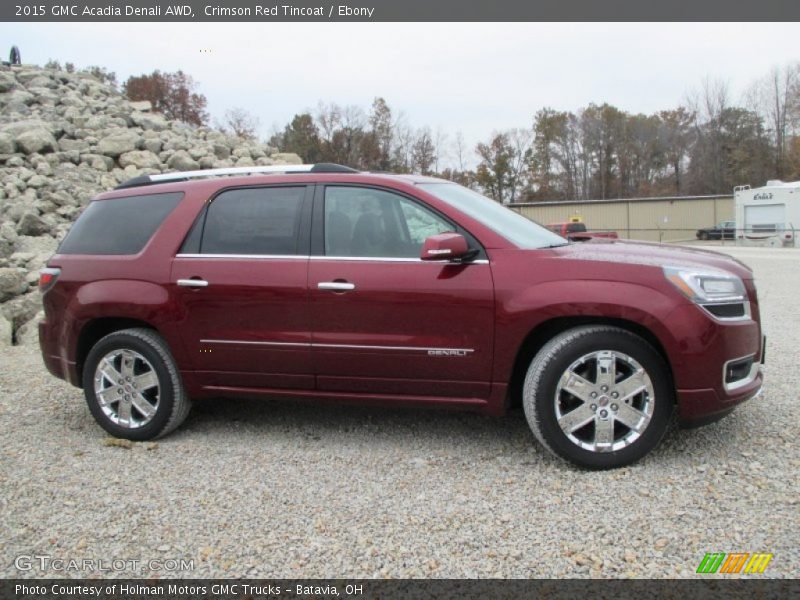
point(133, 387)
point(598, 396)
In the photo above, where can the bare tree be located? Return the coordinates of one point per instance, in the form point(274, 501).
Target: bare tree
point(172, 94)
point(240, 123)
point(460, 151)
point(329, 119)
point(708, 161)
point(521, 141)
point(423, 151)
point(439, 148)
point(774, 97)
point(402, 144)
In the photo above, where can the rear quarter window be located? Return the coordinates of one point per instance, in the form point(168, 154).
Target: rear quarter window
point(120, 225)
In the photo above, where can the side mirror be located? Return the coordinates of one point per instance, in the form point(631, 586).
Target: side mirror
point(445, 246)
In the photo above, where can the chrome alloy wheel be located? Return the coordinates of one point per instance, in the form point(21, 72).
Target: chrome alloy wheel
point(127, 389)
point(604, 401)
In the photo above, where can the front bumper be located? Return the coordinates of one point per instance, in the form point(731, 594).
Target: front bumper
point(704, 406)
point(701, 407)
point(706, 349)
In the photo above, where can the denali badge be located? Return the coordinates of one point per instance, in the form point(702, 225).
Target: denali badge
point(447, 352)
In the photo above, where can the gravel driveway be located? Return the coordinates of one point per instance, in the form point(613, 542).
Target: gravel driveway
point(269, 489)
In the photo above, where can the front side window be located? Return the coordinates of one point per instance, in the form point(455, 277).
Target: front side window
point(503, 221)
point(254, 221)
point(119, 225)
point(373, 223)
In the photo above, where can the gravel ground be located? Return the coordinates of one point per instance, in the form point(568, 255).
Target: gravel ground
point(269, 489)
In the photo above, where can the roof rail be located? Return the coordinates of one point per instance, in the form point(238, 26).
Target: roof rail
point(254, 170)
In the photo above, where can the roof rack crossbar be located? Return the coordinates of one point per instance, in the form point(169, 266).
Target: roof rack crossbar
point(254, 170)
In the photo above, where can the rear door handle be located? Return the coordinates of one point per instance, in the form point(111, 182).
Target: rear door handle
point(336, 286)
point(192, 283)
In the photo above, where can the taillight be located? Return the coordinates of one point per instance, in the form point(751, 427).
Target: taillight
point(47, 278)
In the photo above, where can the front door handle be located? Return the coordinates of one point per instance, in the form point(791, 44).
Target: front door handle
point(336, 286)
point(192, 283)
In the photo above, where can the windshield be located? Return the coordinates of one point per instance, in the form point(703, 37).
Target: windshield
point(504, 221)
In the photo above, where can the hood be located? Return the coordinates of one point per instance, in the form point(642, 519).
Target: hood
point(652, 254)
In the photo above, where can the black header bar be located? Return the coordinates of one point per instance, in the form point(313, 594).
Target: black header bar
point(397, 10)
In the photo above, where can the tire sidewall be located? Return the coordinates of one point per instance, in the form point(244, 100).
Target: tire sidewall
point(124, 341)
point(544, 399)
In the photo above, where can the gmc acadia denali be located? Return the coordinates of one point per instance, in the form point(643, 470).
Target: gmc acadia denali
point(317, 281)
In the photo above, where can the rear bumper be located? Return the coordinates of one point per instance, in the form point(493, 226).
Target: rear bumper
point(56, 364)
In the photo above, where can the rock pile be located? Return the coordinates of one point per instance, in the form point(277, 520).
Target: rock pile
point(65, 137)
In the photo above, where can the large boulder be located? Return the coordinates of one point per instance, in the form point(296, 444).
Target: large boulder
point(7, 81)
point(43, 244)
point(12, 283)
point(32, 224)
point(31, 135)
point(7, 144)
point(67, 145)
point(41, 81)
point(286, 158)
point(27, 75)
point(28, 333)
point(182, 161)
point(22, 309)
point(37, 139)
point(141, 105)
point(16, 127)
point(149, 121)
point(221, 151)
point(118, 142)
point(17, 100)
point(141, 159)
point(6, 332)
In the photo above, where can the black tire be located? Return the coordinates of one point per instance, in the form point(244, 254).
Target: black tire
point(557, 357)
point(172, 403)
point(703, 235)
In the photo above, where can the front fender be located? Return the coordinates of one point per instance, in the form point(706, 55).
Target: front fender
point(522, 312)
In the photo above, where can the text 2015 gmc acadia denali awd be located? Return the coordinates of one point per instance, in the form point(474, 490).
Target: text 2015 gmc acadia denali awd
point(322, 282)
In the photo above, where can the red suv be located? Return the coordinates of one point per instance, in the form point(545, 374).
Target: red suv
point(326, 283)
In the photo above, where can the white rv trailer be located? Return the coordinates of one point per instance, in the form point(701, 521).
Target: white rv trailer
point(768, 215)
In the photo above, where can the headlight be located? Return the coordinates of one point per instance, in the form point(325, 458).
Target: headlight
point(707, 286)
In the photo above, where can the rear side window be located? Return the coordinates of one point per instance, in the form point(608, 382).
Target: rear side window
point(254, 221)
point(119, 226)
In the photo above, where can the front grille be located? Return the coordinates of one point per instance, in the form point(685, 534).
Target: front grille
point(727, 311)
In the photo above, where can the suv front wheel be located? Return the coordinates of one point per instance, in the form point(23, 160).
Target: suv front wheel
point(598, 396)
point(133, 387)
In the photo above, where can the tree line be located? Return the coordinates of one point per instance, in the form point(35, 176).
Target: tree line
point(707, 145)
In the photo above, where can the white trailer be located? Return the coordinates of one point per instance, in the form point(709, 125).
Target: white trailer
point(768, 215)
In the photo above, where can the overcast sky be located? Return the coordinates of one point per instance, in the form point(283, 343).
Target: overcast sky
point(470, 77)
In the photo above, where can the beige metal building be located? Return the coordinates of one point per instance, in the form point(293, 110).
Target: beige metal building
point(653, 219)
